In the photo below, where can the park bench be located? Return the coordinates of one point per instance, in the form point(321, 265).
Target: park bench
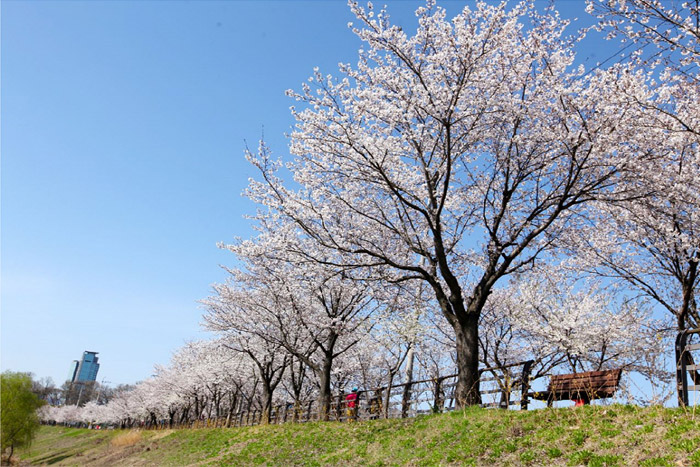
point(580, 387)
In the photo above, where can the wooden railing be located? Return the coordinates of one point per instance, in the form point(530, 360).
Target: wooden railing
point(501, 387)
point(685, 363)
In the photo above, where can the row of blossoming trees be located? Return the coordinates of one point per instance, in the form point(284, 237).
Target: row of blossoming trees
point(463, 196)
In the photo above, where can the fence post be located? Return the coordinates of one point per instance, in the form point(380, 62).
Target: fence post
point(681, 373)
point(525, 385)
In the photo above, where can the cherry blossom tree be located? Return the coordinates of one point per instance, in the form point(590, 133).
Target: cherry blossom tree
point(582, 324)
point(566, 323)
point(204, 381)
point(653, 242)
point(312, 312)
point(399, 336)
point(454, 156)
point(296, 383)
point(204, 378)
point(268, 356)
point(662, 33)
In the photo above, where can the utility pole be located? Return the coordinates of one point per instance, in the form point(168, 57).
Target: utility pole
point(102, 385)
point(77, 404)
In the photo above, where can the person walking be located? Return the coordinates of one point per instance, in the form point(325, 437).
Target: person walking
point(351, 405)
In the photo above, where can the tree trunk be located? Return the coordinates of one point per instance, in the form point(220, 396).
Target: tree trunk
point(233, 401)
point(266, 403)
point(217, 404)
point(387, 396)
point(687, 284)
point(467, 335)
point(438, 396)
point(196, 408)
point(685, 318)
point(324, 397)
point(465, 322)
point(185, 415)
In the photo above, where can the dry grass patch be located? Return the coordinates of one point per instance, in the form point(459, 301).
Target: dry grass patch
point(129, 438)
point(162, 433)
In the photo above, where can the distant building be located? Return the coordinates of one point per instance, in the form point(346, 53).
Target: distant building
point(86, 369)
point(73, 370)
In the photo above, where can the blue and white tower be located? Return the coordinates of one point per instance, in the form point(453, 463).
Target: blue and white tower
point(87, 368)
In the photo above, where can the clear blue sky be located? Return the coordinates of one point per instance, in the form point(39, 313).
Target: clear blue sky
point(123, 128)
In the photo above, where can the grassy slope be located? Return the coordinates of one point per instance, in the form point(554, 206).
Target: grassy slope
point(597, 435)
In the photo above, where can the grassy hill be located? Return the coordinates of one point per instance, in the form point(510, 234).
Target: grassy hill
point(594, 436)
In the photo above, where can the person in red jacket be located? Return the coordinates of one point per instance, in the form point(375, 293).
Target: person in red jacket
point(351, 404)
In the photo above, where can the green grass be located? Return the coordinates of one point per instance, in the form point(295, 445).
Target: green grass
point(593, 436)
